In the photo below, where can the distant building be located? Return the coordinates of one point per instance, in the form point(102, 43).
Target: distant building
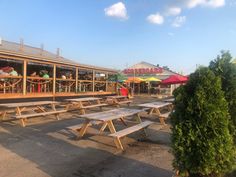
point(145, 70)
point(142, 71)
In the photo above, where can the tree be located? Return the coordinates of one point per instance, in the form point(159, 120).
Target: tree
point(223, 67)
point(201, 142)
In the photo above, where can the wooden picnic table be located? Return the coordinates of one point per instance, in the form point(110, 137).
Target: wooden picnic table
point(118, 100)
point(84, 103)
point(155, 108)
point(19, 108)
point(106, 119)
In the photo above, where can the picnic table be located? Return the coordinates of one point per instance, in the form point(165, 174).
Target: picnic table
point(155, 108)
point(106, 118)
point(84, 103)
point(37, 106)
point(118, 100)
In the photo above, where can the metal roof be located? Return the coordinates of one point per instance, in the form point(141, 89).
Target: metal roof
point(40, 53)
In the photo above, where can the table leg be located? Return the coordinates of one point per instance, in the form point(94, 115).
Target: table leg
point(100, 107)
point(116, 140)
point(84, 128)
point(118, 143)
point(123, 121)
point(151, 111)
point(81, 108)
point(162, 119)
point(103, 127)
point(41, 109)
point(139, 120)
point(23, 120)
point(54, 109)
point(3, 115)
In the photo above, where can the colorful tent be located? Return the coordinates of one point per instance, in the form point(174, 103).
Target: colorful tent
point(152, 79)
point(134, 79)
point(175, 79)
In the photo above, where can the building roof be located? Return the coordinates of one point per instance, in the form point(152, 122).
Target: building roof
point(41, 54)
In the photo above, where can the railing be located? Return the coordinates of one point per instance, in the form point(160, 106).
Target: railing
point(85, 86)
point(100, 86)
point(39, 85)
point(11, 84)
point(65, 85)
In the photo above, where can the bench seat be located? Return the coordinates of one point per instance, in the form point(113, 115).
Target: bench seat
point(38, 114)
point(130, 130)
point(93, 106)
point(165, 115)
point(124, 102)
point(24, 117)
point(79, 126)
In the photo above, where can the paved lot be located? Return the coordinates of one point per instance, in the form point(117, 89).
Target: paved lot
point(44, 148)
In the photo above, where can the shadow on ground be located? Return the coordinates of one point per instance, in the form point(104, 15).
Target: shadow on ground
point(33, 151)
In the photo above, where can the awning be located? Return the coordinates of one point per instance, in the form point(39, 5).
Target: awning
point(175, 79)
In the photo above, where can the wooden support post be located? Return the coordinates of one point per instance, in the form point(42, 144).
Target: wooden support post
point(54, 79)
point(24, 77)
point(76, 79)
point(93, 80)
point(106, 82)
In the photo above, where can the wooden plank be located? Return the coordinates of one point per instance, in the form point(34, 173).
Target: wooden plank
point(155, 105)
point(24, 77)
point(27, 104)
point(93, 106)
point(111, 114)
point(132, 129)
point(83, 99)
point(38, 114)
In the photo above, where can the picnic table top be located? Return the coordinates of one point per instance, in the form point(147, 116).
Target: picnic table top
point(117, 96)
point(169, 100)
point(157, 104)
point(111, 114)
point(27, 104)
point(83, 99)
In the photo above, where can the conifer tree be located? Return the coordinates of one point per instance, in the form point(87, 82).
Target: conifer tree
point(201, 142)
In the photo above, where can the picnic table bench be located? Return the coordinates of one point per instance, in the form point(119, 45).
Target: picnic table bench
point(106, 119)
point(154, 107)
point(118, 100)
point(37, 106)
point(84, 103)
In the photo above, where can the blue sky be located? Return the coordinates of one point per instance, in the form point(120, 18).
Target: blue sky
point(178, 33)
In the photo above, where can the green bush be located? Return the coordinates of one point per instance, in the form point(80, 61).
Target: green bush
point(223, 67)
point(201, 142)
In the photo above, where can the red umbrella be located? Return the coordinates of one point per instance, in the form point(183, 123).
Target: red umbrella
point(175, 79)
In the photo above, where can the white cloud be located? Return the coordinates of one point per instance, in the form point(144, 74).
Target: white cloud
point(208, 3)
point(179, 21)
point(117, 10)
point(155, 19)
point(173, 11)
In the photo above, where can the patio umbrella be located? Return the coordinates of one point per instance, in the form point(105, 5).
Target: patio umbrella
point(152, 79)
point(175, 79)
point(134, 79)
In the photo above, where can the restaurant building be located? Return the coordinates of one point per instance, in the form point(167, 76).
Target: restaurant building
point(150, 77)
point(30, 72)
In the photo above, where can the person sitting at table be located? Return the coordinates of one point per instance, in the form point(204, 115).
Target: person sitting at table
point(44, 74)
point(13, 72)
